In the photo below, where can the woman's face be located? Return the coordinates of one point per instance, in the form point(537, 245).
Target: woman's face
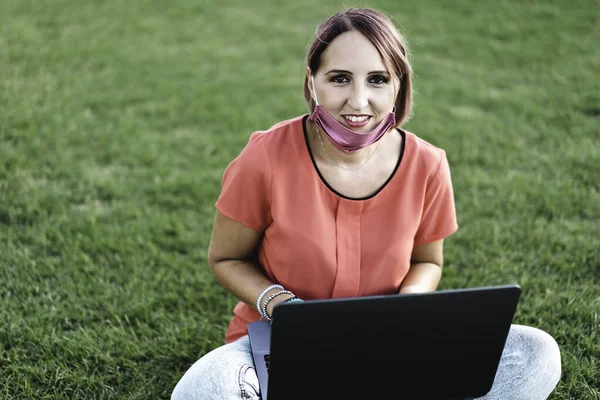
point(353, 84)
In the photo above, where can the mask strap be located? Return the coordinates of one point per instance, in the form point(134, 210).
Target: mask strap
point(394, 106)
point(313, 88)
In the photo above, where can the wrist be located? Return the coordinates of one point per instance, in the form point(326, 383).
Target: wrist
point(267, 307)
point(266, 294)
point(276, 301)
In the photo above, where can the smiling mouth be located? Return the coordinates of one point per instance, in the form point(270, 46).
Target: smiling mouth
point(357, 121)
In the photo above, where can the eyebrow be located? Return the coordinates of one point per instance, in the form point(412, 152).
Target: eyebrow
point(343, 71)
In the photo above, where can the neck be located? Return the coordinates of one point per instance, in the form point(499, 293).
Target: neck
point(340, 158)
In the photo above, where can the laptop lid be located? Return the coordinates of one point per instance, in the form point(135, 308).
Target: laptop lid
point(440, 345)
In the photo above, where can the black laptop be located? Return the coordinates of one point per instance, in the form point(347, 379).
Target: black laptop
point(440, 345)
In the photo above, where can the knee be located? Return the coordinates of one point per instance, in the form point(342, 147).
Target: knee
point(196, 381)
point(204, 381)
point(544, 356)
point(224, 373)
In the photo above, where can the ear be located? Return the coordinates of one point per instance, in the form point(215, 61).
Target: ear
point(309, 82)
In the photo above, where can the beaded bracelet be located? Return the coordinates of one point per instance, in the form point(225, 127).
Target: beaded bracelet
point(259, 301)
point(292, 300)
point(264, 308)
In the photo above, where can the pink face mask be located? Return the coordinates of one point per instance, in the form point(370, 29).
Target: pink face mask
point(346, 139)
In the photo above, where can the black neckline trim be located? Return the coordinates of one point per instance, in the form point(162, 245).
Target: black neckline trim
point(335, 191)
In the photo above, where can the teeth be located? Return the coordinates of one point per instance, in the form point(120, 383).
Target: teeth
point(356, 119)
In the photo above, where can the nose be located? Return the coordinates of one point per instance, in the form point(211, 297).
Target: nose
point(358, 99)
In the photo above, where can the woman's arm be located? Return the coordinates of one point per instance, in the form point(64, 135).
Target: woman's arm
point(231, 256)
point(425, 268)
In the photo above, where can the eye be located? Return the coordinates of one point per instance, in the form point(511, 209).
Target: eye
point(340, 79)
point(378, 79)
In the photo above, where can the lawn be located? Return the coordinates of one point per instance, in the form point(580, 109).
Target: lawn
point(117, 119)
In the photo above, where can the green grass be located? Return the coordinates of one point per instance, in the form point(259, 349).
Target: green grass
point(118, 118)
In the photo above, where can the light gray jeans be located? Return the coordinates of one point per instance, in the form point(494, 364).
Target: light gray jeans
point(530, 369)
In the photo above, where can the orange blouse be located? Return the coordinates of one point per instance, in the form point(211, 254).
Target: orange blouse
point(320, 244)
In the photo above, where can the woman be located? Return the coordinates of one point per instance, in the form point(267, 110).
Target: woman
point(342, 202)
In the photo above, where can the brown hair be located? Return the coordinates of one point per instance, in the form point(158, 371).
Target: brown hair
point(380, 30)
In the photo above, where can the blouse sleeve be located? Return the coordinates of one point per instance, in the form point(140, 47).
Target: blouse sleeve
point(246, 187)
point(439, 214)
